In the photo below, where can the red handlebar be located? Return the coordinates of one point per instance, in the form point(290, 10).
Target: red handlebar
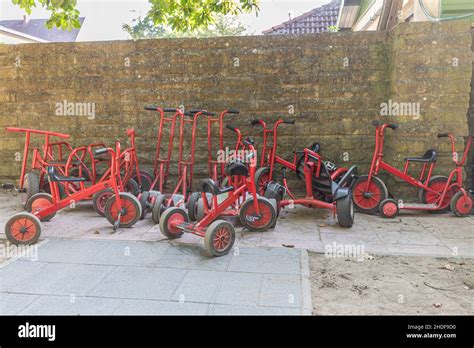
point(26, 130)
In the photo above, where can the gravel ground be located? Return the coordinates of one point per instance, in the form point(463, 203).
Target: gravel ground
point(391, 285)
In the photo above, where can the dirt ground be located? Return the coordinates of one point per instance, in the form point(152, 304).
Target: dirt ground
point(391, 285)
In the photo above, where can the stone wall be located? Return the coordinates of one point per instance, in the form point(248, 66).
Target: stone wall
point(332, 84)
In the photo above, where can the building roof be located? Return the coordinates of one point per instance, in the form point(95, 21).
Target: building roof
point(315, 21)
point(37, 28)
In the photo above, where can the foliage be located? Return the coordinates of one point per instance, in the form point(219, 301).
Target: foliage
point(179, 15)
point(144, 28)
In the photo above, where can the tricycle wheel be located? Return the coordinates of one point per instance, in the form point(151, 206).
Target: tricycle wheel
point(39, 202)
point(388, 208)
point(192, 205)
point(99, 199)
point(437, 183)
point(131, 209)
point(23, 229)
point(251, 221)
point(146, 180)
point(262, 177)
point(220, 237)
point(461, 205)
point(157, 208)
point(345, 211)
point(143, 198)
point(132, 187)
point(368, 201)
point(31, 186)
point(169, 221)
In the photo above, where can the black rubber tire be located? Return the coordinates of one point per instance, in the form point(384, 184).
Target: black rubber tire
point(382, 187)
point(143, 198)
point(41, 195)
point(382, 210)
point(192, 205)
point(258, 175)
point(453, 203)
point(33, 219)
point(146, 179)
point(132, 187)
point(95, 200)
point(167, 214)
point(248, 204)
point(157, 208)
point(345, 211)
point(422, 194)
point(47, 188)
point(32, 186)
point(211, 231)
point(135, 206)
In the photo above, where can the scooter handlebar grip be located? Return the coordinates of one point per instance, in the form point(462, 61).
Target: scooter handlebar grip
point(254, 122)
point(393, 126)
point(289, 121)
point(152, 108)
point(232, 128)
point(169, 110)
point(233, 111)
point(188, 113)
point(101, 151)
point(208, 113)
point(443, 135)
point(375, 123)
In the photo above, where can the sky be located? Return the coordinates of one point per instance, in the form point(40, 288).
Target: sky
point(104, 18)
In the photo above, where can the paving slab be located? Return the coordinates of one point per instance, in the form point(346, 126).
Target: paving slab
point(102, 280)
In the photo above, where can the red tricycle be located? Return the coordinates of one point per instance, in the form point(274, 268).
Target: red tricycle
point(437, 193)
point(121, 210)
point(256, 213)
point(270, 158)
point(59, 154)
point(339, 201)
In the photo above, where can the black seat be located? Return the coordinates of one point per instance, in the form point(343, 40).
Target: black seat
point(428, 157)
point(54, 176)
point(208, 185)
point(236, 167)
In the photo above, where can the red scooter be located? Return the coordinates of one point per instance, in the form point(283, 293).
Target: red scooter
point(436, 193)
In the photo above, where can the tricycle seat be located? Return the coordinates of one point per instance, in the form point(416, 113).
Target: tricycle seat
point(429, 157)
point(54, 176)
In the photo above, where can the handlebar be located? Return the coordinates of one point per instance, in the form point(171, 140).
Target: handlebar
point(233, 111)
point(101, 151)
point(389, 125)
point(36, 131)
point(289, 121)
point(232, 128)
point(443, 135)
point(254, 122)
point(151, 108)
point(203, 112)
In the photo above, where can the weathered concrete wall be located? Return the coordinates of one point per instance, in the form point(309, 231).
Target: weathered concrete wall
point(334, 83)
